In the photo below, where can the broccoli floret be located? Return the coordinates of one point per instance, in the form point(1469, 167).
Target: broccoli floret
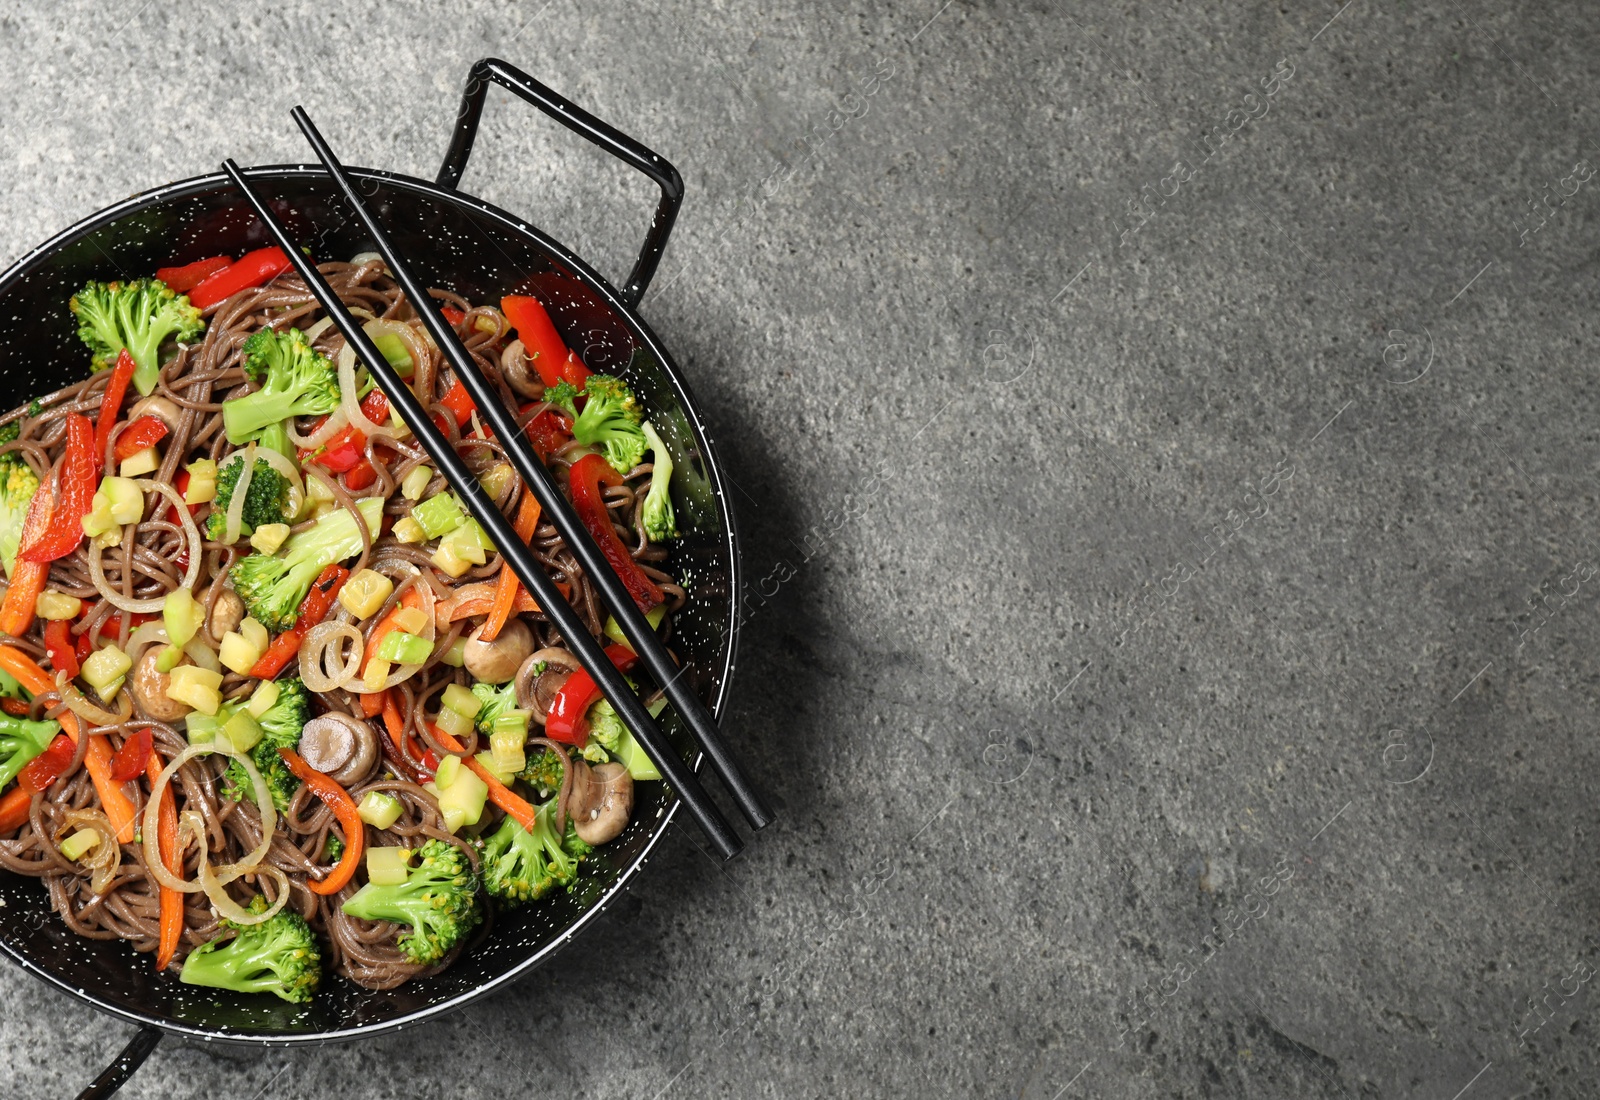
point(11, 431)
point(496, 701)
point(274, 585)
point(275, 437)
point(332, 849)
point(280, 956)
point(296, 381)
point(610, 418)
point(138, 315)
point(543, 770)
point(659, 522)
point(280, 729)
point(18, 484)
point(20, 741)
point(265, 501)
point(438, 900)
point(520, 866)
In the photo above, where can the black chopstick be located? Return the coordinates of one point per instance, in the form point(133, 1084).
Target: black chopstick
point(719, 833)
point(635, 627)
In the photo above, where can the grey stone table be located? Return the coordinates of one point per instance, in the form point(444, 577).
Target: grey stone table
point(1167, 442)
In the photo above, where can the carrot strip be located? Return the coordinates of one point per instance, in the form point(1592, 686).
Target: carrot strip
point(500, 794)
point(27, 581)
point(167, 840)
point(14, 807)
point(97, 760)
point(372, 703)
point(343, 806)
point(505, 593)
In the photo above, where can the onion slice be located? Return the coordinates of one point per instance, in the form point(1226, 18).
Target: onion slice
point(78, 703)
point(105, 857)
point(250, 864)
point(334, 425)
point(324, 640)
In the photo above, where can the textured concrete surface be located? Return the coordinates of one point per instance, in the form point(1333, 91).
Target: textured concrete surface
point(1166, 440)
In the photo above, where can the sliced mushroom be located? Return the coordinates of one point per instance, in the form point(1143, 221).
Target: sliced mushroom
point(226, 614)
point(518, 370)
point(148, 686)
point(157, 406)
point(497, 662)
point(602, 799)
point(339, 746)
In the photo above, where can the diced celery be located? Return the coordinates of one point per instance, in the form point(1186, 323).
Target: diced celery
point(364, 593)
point(486, 762)
point(202, 728)
point(386, 865)
point(510, 722)
point(263, 698)
point(242, 731)
point(77, 845)
point(463, 548)
point(202, 487)
point(456, 725)
point(103, 666)
point(409, 530)
point(506, 746)
point(416, 481)
point(653, 617)
point(168, 658)
point(147, 461)
point(268, 537)
point(398, 647)
point(449, 771)
point(379, 809)
point(438, 514)
point(57, 605)
point(461, 700)
point(454, 816)
point(236, 653)
point(183, 615)
point(456, 655)
point(497, 479)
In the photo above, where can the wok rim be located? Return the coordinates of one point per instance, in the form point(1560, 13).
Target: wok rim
point(195, 185)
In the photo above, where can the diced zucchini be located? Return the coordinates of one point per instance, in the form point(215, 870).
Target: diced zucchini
point(242, 731)
point(183, 616)
point(653, 617)
point(463, 799)
point(456, 725)
point(450, 562)
point(510, 722)
point(236, 653)
point(263, 698)
point(449, 771)
point(57, 605)
point(268, 537)
point(409, 530)
point(386, 865)
point(461, 700)
point(202, 488)
point(506, 747)
point(456, 655)
point(147, 461)
point(168, 658)
point(379, 809)
point(497, 479)
point(486, 762)
point(196, 687)
point(104, 666)
point(76, 846)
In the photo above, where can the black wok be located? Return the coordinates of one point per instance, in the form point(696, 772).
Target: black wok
point(481, 252)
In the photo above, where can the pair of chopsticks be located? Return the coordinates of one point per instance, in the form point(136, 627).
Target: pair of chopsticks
point(518, 556)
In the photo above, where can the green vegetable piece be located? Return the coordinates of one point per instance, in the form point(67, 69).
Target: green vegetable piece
point(273, 586)
point(438, 515)
point(438, 903)
point(140, 316)
point(521, 866)
point(278, 956)
point(295, 381)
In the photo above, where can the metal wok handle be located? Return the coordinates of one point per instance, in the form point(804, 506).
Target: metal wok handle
point(574, 118)
point(114, 1076)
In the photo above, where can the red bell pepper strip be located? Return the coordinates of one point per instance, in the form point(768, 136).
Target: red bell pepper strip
point(129, 762)
point(111, 403)
point(251, 269)
point(74, 497)
point(188, 276)
point(337, 799)
point(568, 720)
point(318, 602)
point(548, 432)
point(14, 809)
point(360, 476)
point(167, 844)
point(453, 315)
point(459, 402)
point(14, 707)
point(37, 774)
point(59, 645)
point(347, 447)
point(97, 757)
point(543, 343)
point(145, 432)
point(588, 474)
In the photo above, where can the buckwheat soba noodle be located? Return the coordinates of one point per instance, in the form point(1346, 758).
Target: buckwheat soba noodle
point(273, 705)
